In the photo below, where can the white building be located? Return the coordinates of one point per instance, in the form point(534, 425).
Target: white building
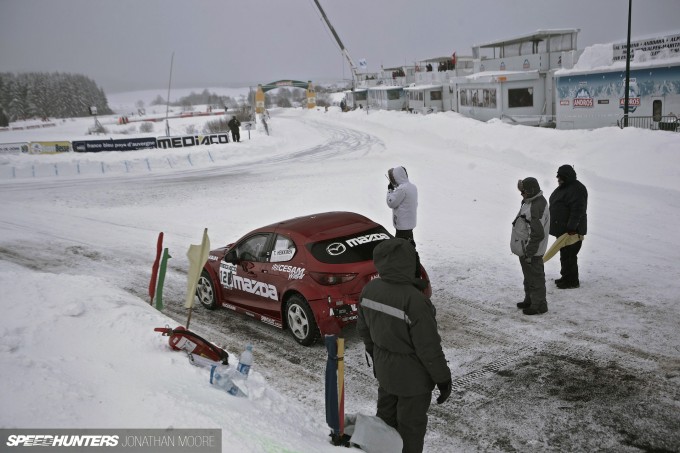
point(513, 78)
point(592, 93)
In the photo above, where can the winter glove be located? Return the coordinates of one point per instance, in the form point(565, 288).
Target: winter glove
point(527, 259)
point(444, 391)
point(390, 187)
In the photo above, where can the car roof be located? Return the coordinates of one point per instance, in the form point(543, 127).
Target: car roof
point(324, 225)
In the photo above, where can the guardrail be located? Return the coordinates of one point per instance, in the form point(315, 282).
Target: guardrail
point(663, 123)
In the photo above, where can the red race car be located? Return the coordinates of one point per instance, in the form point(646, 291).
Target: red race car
point(303, 274)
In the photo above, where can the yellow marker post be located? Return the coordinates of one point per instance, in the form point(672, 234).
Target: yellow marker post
point(259, 100)
point(311, 96)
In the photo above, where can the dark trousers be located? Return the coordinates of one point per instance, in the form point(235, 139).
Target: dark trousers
point(569, 262)
point(235, 135)
point(408, 235)
point(534, 281)
point(406, 414)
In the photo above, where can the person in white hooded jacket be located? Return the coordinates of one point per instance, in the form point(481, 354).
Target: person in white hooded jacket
point(529, 241)
point(402, 197)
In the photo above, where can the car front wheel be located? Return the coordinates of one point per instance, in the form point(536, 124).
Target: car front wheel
point(300, 320)
point(205, 291)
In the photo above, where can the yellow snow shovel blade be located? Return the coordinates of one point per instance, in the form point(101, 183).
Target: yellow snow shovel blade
point(560, 242)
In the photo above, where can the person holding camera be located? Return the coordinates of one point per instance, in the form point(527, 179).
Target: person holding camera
point(402, 197)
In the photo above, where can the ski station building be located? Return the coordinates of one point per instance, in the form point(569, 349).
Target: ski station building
point(592, 93)
point(538, 79)
point(513, 79)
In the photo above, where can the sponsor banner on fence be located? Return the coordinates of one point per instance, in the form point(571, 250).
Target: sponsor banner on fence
point(49, 147)
point(14, 148)
point(126, 144)
point(112, 440)
point(192, 140)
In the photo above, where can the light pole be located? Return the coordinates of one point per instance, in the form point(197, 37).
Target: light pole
point(626, 97)
point(167, 101)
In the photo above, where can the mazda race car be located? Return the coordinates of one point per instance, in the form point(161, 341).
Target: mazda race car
point(304, 274)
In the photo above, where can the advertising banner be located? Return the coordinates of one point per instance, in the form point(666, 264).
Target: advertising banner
point(126, 144)
point(651, 45)
point(13, 148)
point(192, 140)
point(49, 147)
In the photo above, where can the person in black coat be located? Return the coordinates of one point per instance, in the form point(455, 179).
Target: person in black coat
point(234, 125)
point(568, 205)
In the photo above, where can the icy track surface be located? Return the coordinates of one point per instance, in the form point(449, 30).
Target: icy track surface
point(600, 371)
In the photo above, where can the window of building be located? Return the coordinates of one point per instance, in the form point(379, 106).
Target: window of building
point(392, 95)
point(521, 97)
point(435, 95)
point(656, 110)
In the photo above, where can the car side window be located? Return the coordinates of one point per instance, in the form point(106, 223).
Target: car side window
point(253, 248)
point(284, 249)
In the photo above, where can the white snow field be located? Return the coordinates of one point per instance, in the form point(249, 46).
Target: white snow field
point(599, 372)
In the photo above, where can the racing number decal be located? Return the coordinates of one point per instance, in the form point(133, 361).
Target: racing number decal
point(227, 273)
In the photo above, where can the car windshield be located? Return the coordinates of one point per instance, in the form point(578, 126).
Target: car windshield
point(349, 249)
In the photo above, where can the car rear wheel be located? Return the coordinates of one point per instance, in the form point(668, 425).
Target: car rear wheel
point(205, 291)
point(300, 320)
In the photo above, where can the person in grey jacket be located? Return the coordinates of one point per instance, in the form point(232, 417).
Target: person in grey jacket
point(402, 197)
point(529, 241)
point(399, 330)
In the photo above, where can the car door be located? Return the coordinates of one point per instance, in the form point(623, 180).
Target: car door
point(244, 274)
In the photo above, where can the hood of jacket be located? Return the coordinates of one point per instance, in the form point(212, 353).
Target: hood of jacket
point(395, 260)
point(398, 175)
point(567, 173)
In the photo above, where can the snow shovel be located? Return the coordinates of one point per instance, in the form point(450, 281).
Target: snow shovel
point(562, 241)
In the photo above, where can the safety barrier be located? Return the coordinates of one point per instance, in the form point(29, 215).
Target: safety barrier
point(663, 123)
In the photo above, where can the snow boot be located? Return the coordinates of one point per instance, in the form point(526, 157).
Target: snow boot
point(535, 311)
point(525, 304)
point(568, 285)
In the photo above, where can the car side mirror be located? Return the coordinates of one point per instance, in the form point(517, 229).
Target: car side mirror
point(231, 257)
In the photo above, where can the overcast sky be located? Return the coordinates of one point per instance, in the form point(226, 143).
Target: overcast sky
point(127, 44)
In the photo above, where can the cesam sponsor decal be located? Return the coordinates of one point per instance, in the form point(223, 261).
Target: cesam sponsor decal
point(366, 239)
point(294, 273)
point(46, 440)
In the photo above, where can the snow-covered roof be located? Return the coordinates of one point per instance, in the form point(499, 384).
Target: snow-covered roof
point(423, 87)
point(537, 35)
point(599, 58)
point(387, 87)
point(510, 75)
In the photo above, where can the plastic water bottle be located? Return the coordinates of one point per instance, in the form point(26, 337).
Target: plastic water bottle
point(245, 361)
point(221, 378)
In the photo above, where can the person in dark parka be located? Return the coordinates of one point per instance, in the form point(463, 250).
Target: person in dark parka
point(234, 125)
point(398, 326)
point(568, 205)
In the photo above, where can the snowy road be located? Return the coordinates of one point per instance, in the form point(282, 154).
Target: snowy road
point(600, 371)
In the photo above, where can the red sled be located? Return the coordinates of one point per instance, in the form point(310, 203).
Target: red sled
point(182, 339)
